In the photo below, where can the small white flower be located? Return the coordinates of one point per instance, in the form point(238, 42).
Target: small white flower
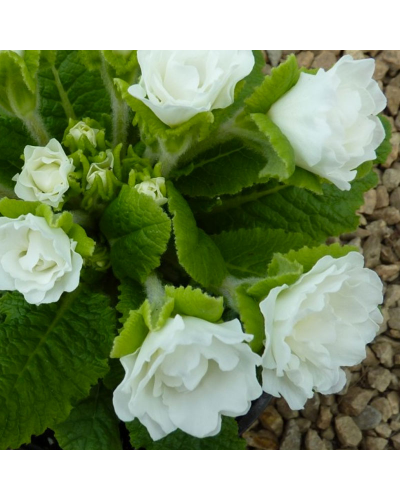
point(44, 176)
point(37, 260)
point(320, 323)
point(186, 375)
point(153, 188)
point(100, 170)
point(80, 129)
point(178, 84)
point(330, 119)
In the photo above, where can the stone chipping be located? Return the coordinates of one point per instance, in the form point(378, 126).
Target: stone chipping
point(366, 413)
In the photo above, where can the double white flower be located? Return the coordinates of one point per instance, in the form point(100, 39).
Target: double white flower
point(186, 376)
point(44, 176)
point(320, 323)
point(37, 260)
point(178, 84)
point(330, 119)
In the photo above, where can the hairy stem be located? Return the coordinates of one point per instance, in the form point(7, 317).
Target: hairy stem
point(120, 109)
point(66, 104)
point(36, 127)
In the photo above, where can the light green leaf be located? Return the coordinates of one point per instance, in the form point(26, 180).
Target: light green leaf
point(251, 317)
point(304, 179)
point(190, 301)
point(138, 231)
point(292, 209)
point(224, 169)
point(197, 253)
point(155, 315)
point(131, 296)
point(385, 148)
point(281, 162)
point(308, 257)
point(274, 86)
point(49, 357)
point(131, 335)
point(91, 425)
point(281, 271)
point(247, 252)
point(227, 439)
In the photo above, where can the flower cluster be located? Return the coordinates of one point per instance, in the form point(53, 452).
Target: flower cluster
point(212, 184)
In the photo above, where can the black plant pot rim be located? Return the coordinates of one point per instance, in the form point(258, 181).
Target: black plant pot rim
point(257, 407)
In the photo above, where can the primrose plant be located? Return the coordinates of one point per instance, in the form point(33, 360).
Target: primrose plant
point(162, 241)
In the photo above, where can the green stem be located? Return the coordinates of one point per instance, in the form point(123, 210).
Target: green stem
point(66, 104)
point(36, 127)
point(120, 109)
point(238, 201)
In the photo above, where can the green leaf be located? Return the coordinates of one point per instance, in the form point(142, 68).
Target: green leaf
point(197, 253)
point(227, 439)
point(308, 257)
point(281, 162)
point(307, 180)
point(251, 317)
point(91, 425)
point(274, 86)
point(385, 148)
point(194, 302)
point(281, 271)
point(49, 357)
point(247, 252)
point(14, 208)
point(155, 315)
point(131, 335)
point(138, 231)
point(13, 139)
point(292, 209)
point(224, 169)
point(131, 296)
point(69, 81)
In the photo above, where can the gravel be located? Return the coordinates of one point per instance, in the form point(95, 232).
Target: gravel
point(366, 415)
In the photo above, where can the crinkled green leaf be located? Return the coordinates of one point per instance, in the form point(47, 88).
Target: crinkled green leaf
point(155, 315)
point(131, 296)
point(18, 95)
point(385, 148)
point(224, 169)
point(13, 139)
point(190, 301)
point(138, 231)
point(91, 425)
point(49, 357)
point(247, 252)
point(308, 257)
point(281, 162)
point(83, 89)
point(274, 86)
point(281, 271)
point(251, 317)
point(292, 209)
point(131, 335)
point(197, 253)
point(227, 439)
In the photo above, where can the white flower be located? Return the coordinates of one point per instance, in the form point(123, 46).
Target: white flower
point(153, 188)
point(320, 323)
point(330, 119)
point(178, 84)
point(44, 176)
point(100, 170)
point(186, 375)
point(80, 129)
point(37, 260)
